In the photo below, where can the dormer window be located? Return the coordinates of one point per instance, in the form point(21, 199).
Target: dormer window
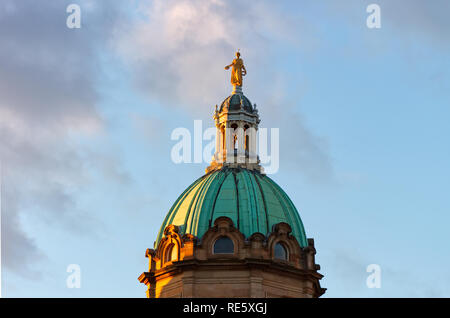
point(171, 253)
point(224, 245)
point(280, 252)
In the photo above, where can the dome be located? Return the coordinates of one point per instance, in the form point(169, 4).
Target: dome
point(253, 201)
point(233, 103)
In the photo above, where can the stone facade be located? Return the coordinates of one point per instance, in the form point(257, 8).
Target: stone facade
point(187, 267)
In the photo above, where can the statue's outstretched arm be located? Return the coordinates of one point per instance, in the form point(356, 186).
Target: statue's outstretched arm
point(228, 66)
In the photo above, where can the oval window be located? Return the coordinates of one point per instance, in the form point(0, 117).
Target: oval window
point(223, 245)
point(281, 252)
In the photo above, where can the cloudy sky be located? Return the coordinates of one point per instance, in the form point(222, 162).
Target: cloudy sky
point(86, 117)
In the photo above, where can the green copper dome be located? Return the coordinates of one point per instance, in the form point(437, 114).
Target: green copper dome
point(253, 201)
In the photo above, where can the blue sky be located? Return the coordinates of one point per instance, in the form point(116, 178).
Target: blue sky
point(86, 116)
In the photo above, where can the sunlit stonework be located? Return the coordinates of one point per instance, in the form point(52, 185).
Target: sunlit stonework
point(233, 232)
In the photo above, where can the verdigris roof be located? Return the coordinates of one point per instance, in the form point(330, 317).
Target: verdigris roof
point(236, 102)
point(252, 200)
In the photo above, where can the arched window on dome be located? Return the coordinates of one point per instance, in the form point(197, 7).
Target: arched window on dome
point(171, 253)
point(223, 245)
point(280, 252)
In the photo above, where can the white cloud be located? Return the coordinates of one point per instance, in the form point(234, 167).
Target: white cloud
point(178, 51)
point(48, 93)
point(180, 48)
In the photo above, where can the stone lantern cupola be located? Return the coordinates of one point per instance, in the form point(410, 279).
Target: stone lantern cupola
point(237, 124)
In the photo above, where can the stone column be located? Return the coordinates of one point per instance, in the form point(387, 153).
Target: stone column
point(218, 153)
point(256, 285)
point(229, 153)
point(241, 142)
point(252, 133)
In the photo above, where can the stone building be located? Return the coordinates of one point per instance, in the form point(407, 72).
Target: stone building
point(233, 232)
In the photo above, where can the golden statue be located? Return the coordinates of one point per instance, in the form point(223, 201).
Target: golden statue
point(237, 70)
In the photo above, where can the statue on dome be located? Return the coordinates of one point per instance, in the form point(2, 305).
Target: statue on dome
point(237, 70)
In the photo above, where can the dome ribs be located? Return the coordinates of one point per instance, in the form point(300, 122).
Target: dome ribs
point(252, 200)
point(253, 206)
point(173, 210)
point(194, 213)
point(264, 202)
point(237, 199)
point(297, 219)
point(217, 195)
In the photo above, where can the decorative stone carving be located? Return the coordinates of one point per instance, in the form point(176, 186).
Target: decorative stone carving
point(251, 271)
